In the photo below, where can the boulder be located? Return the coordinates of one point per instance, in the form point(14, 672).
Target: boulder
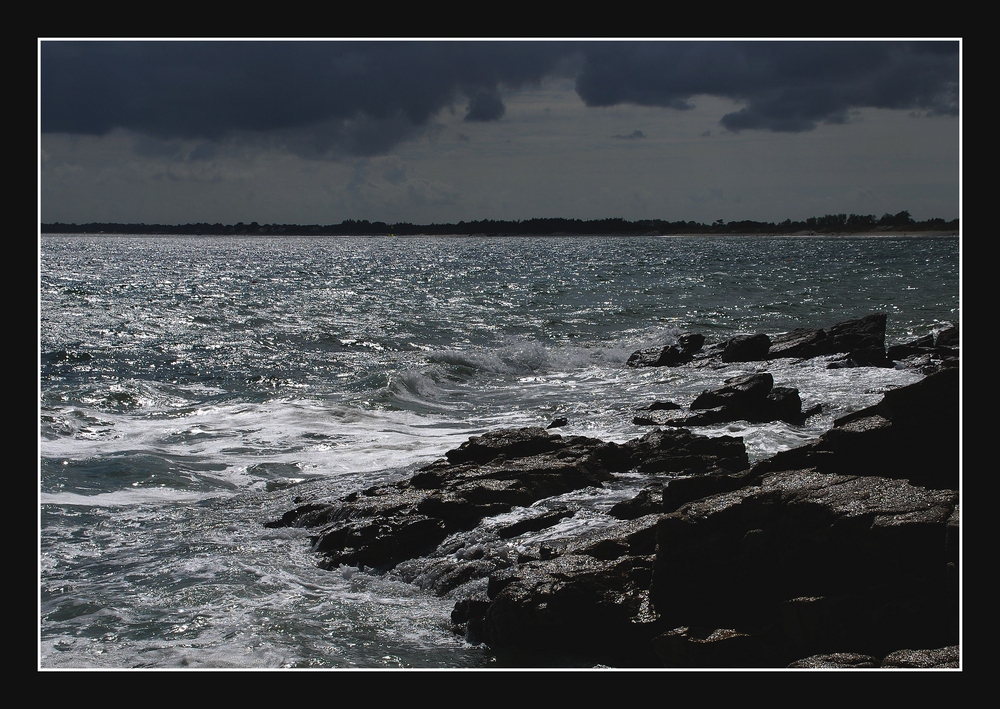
point(934, 658)
point(746, 348)
point(809, 562)
point(590, 602)
point(710, 648)
point(751, 397)
point(678, 451)
point(947, 337)
point(863, 338)
point(836, 660)
point(929, 353)
point(942, 657)
point(913, 434)
point(859, 342)
point(668, 356)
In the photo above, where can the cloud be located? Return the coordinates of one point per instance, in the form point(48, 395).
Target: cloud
point(485, 106)
point(634, 135)
point(785, 86)
point(351, 97)
point(337, 98)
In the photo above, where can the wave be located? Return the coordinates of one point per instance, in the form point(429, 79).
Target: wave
point(127, 498)
point(417, 390)
point(533, 357)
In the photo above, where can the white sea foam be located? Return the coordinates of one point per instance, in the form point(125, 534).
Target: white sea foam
point(124, 498)
point(235, 379)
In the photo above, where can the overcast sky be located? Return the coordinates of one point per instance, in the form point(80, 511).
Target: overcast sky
point(316, 132)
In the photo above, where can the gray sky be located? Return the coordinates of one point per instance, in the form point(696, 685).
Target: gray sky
point(316, 132)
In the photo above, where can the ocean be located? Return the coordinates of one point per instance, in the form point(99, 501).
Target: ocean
point(190, 388)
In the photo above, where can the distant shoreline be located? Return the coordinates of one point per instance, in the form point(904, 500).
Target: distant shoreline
point(900, 224)
point(910, 234)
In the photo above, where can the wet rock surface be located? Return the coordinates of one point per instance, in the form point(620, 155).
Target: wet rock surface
point(488, 476)
point(842, 553)
point(859, 343)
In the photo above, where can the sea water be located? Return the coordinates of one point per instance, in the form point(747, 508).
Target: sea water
point(191, 388)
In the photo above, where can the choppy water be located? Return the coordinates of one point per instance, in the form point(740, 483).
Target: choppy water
point(190, 386)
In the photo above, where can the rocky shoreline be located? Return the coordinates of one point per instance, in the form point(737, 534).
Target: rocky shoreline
point(843, 553)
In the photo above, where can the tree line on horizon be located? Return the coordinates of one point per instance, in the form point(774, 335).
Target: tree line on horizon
point(827, 224)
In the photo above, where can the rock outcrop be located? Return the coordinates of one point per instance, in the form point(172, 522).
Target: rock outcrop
point(750, 397)
point(842, 553)
point(860, 342)
point(863, 340)
point(488, 476)
point(803, 563)
point(789, 563)
point(684, 351)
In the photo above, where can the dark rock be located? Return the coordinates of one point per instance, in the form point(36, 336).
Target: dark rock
point(756, 568)
point(746, 348)
point(830, 555)
point(558, 423)
point(864, 336)
point(576, 604)
point(468, 615)
point(862, 358)
point(649, 500)
point(743, 392)
point(928, 353)
point(663, 406)
point(913, 434)
point(938, 658)
point(681, 452)
point(683, 490)
point(466, 609)
point(874, 548)
point(691, 342)
point(704, 417)
point(947, 337)
point(300, 516)
point(511, 443)
point(836, 660)
point(783, 404)
point(924, 659)
point(661, 413)
point(489, 475)
point(872, 620)
point(751, 397)
point(534, 524)
point(673, 417)
point(859, 342)
point(927, 363)
point(921, 345)
point(832, 552)
point(705, 647)
point(380, 543)
point(669, 356)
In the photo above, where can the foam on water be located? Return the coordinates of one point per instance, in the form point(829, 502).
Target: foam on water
point(193, 389)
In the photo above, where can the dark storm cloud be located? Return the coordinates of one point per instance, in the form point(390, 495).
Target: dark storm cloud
point(359, 97)
point(328, 98)
point(485, 106)
point(787, 86)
